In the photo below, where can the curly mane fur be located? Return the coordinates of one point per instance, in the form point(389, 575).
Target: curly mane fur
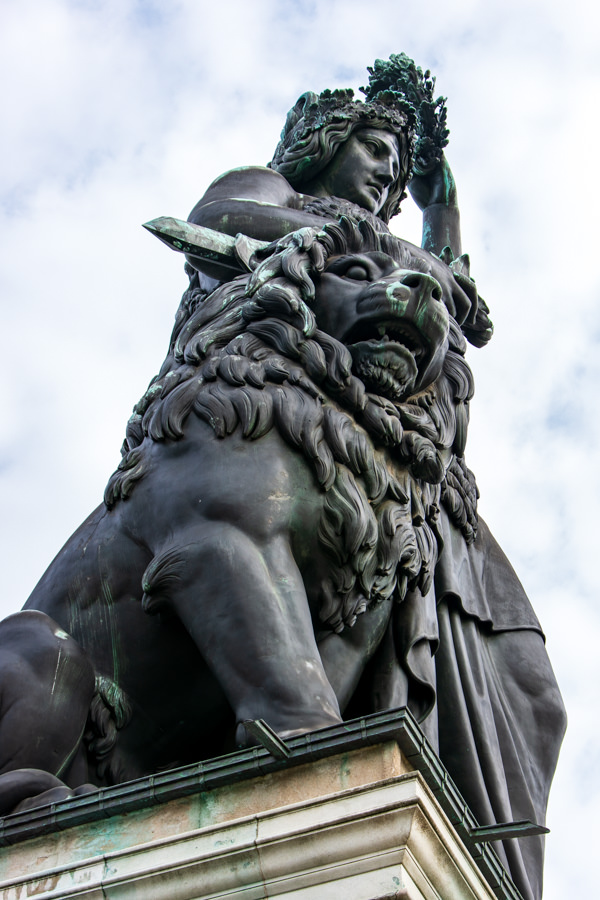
point(251, 356)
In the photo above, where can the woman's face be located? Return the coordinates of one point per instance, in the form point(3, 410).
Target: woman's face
point(362, 170)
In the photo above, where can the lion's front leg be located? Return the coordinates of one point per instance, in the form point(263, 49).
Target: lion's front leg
point(246, 609)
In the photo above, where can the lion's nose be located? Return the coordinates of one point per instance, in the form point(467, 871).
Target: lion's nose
point(425, 285)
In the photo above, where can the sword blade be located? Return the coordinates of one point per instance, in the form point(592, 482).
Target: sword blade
point(196, 240)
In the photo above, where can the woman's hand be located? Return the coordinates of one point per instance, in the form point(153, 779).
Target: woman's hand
point(436, 185)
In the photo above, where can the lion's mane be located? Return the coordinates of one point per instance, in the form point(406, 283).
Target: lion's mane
point(251, 356)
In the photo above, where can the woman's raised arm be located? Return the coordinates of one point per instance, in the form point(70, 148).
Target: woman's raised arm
point(434, 192)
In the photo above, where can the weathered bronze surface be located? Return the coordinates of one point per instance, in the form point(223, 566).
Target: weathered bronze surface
point(292, 533)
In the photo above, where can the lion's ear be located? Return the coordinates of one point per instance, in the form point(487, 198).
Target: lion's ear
point(447, 256)
point(461, 265)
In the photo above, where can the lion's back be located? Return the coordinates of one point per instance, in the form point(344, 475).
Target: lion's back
point(98, 568)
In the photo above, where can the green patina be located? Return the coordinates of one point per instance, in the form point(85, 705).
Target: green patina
point(396, 303)
point(209, 805)
point(422, 315)
point(114, 637)
point(428, 238)
point(345, 770)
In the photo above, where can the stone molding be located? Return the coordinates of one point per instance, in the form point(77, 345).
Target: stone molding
point(373, 840)
point(361, 811)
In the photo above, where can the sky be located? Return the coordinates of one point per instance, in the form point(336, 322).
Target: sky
point(117, 111)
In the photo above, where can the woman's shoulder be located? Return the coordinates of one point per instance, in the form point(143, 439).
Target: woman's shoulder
point(257, 183)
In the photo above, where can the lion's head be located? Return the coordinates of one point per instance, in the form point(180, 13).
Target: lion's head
point(391, 319)
point(339, 341)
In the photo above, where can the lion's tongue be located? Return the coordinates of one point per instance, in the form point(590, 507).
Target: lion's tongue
point(387, 354)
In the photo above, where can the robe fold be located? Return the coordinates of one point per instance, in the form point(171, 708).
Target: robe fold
point(469, 660)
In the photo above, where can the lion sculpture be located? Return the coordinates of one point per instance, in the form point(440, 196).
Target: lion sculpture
point(279, 494)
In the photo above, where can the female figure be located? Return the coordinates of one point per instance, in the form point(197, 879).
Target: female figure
point(341, 156)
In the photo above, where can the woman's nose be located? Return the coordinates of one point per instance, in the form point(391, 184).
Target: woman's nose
point(384, 171)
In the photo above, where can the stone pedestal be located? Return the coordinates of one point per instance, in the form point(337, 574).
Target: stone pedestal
point(349, 816)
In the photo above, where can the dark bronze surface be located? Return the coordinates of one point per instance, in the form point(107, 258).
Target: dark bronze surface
point(292, 534)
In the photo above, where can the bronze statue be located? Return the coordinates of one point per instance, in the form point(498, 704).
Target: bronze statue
point(292, 532)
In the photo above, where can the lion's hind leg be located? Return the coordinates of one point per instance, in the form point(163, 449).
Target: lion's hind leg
point(46, 687)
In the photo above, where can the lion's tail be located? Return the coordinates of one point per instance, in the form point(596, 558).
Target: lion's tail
point(109, 712)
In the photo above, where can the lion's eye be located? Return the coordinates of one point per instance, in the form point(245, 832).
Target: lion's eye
point(357, 272)
point(355, 267)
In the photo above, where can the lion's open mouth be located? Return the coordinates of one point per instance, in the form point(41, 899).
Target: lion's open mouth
point(387, 356)
point(390, 335)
